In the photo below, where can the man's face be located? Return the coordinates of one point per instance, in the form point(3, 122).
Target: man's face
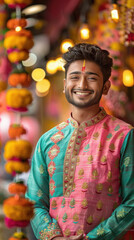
point(83, 85)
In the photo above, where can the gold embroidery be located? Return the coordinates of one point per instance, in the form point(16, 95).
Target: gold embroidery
point(90, 159)
point(99, 187)
point(54, 204)
point(84, 187)
point(99, 205)
point(95, 136)
point(103, 160)
point(39, 193)
point(94, 174)
point(90, 219)
point(67, 232)
point(81, 173)
point(100, 231)
point(79, 231)
point(75, 218)
point(41, 169)
point(110, 190)
point(71, 156)
point(112, 147)
point(84, 203)
point(109, 176)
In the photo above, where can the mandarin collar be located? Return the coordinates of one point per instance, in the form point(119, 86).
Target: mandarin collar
point(97, 118)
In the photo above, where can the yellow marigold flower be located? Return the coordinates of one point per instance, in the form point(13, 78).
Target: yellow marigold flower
point(27, 2)
point(19, 42)
point(17, 148)
point(18, 97)
point(12, 167)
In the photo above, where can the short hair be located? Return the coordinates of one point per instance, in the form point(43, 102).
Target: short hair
point(92, 53)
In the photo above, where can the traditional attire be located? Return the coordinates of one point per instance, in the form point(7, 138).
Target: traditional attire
point(82, 180)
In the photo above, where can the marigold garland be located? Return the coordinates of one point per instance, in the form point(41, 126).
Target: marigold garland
point(15, 22)
point(20, 3)
point(16, 130)
point(17, 56)
point(18, 209)
point(13, 167)
point(18, 97)
point(18, 236)
point(17, 148)
point(19, 78)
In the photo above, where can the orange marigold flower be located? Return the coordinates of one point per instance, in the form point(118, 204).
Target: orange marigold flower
point(15, 22)
point(16, 130)
point(17, 188)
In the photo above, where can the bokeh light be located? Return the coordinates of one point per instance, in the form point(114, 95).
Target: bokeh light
point(51, 67)
point(84, 32)
point(38, 74)
point(30, 61)
point(43, 86)
point(66, 43)
point(128, 79)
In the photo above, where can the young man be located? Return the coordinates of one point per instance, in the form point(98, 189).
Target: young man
point(82, 174)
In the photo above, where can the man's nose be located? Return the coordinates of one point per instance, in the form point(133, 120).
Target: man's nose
point(83, 82)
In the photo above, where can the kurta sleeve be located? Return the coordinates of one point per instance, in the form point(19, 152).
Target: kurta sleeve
point(122, 219)
point(43, 225)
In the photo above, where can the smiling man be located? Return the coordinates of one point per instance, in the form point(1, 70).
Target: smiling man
point(82, 174)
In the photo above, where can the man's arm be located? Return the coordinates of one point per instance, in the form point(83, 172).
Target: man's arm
point(44, 227)
point(122, 219)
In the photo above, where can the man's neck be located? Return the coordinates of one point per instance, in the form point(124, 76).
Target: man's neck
point(83, 114)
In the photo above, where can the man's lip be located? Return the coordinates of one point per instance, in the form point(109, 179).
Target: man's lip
point(82, 91)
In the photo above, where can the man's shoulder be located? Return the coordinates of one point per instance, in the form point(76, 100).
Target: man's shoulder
point(60, 127)
point(118, 123)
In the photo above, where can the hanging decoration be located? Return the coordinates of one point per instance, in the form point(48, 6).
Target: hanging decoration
point(127, 22)
point(5, 66)
point(116, 99)
point(17, 151)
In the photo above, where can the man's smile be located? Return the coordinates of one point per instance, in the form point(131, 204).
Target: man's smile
point(82, 92)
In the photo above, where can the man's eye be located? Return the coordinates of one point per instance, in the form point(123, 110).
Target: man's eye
point(75, 77)
point(92, 78)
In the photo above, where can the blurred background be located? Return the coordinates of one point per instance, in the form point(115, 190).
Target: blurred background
point(51, 27)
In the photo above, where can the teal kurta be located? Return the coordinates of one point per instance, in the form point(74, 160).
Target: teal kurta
point(82, 180)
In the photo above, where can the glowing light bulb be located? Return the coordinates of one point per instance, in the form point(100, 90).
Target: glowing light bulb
point(115, 13)
point(18, 28)
point(51, 66)
point(128, 79)
point(30, 61)
point(84, 32)
point(66, 44)
point(43, 87)
point(60, 64)
point(38, 74)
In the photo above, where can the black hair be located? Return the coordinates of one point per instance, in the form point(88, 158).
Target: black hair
point(92, 53)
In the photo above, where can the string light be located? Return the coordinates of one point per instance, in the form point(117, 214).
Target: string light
point(60, 64)
point(84, 32)
point(42, 87)
point(18, 28)
point(66, 43)
point(38, 74)
point(51, 66)
point(115, 13)
point(128, 79)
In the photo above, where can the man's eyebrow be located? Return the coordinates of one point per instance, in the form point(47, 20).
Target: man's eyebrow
point(93, 73)
point(89, 73)
point(76, 72)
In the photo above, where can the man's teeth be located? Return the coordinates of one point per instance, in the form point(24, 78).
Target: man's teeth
point(82, 93)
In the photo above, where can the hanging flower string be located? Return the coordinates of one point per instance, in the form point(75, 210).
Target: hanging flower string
point(17, 151)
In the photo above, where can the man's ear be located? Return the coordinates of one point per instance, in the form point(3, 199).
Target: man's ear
point(106, 87)
point(64, 81)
